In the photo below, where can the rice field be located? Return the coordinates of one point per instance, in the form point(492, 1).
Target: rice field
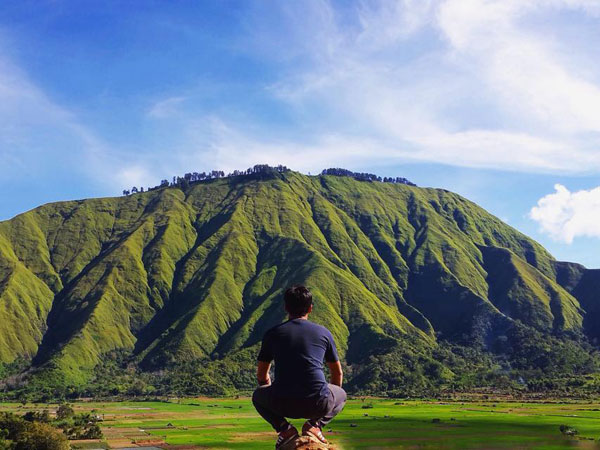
point(364, 424)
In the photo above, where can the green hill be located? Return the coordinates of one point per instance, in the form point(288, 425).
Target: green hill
point(406, 278)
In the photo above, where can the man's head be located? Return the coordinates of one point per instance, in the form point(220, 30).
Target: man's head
point(298, 301)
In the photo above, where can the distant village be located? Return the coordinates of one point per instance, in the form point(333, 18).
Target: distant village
point(261, 169)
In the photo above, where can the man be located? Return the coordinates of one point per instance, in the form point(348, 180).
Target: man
point(300, 390)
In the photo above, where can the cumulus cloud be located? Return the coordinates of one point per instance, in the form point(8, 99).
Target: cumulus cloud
point(565, 215)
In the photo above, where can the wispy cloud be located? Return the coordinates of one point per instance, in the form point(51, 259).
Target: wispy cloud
point(565, 215)
point(488, 90)
point(135, 175)
point(231, 149)
point(165, 108)
point(523, 68)
point(40, 138)
point(473, 83)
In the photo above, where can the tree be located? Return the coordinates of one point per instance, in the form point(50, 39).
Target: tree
point(363, 176)
point(41, 436)
point(4, 445)
point(64, 411)
point(92, 432)
point(12, 424)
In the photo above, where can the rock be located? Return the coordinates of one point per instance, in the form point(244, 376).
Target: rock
point(307, 443)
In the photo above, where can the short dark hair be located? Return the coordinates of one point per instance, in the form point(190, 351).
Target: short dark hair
point(298, 300)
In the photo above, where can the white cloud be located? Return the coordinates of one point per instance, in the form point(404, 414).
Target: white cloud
point(565, 215)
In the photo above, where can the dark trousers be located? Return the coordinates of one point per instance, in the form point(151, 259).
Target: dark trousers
point(274, 408)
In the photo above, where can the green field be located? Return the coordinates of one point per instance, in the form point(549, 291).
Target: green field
point(379, 423)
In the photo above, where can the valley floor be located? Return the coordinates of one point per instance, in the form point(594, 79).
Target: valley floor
point(364, 424)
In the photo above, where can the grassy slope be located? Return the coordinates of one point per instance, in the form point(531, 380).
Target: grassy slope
point(584, 284)
point(24, 305)
point(434, 239)
point(513, 283)
point(175, 275)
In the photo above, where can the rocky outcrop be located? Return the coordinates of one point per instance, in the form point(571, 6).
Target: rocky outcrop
point(308, 443)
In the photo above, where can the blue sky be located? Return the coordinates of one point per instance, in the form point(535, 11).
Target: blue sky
point(496, 100)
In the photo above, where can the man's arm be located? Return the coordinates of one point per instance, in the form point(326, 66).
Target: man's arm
point(262, 373)
point(265, 356)
point(335, 370)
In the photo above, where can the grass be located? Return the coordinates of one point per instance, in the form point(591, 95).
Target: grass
point(233, 424)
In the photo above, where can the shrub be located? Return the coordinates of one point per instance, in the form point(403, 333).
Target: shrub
point(37, 416)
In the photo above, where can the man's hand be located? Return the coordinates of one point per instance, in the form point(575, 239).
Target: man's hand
point(262, 373)
point(266, 382)
point(335, 369)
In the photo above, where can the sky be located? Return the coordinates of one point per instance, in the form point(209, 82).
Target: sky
point(498, 101)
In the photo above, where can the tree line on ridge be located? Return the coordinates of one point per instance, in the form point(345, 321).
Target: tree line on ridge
point(193, 177)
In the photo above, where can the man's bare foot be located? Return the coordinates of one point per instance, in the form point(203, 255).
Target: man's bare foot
point(308, 429)
point(286, 436)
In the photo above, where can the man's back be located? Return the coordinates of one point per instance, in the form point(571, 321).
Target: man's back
point(299, 390)
point(299, 348)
